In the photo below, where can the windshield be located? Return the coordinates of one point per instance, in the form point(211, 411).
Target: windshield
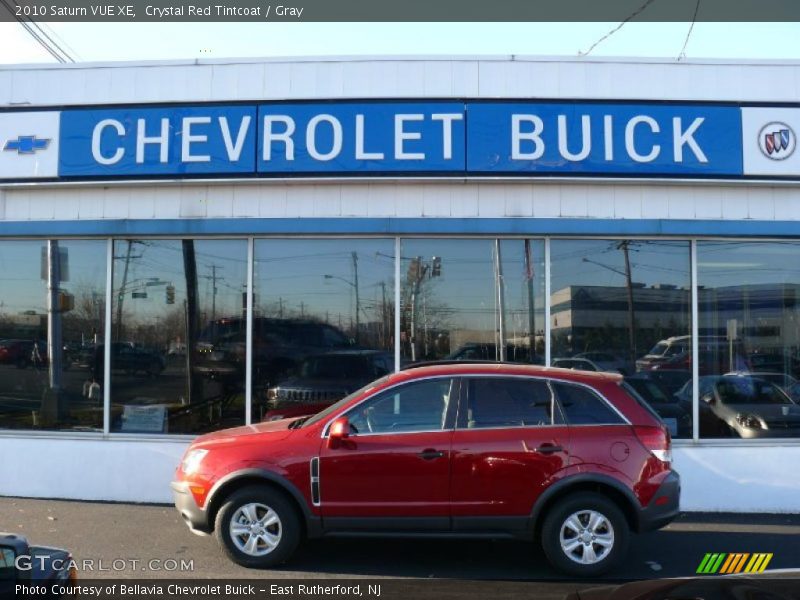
point(747, 390)
point(633, 393)
point(659, 349)
point(334, 407)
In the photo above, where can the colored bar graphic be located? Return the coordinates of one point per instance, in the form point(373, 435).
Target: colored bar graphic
point(758, 563)
point(724, 563)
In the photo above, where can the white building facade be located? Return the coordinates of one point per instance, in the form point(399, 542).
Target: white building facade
point(178, 240)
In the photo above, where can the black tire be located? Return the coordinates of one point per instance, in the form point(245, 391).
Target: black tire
point(582, 504)
point(289, 527)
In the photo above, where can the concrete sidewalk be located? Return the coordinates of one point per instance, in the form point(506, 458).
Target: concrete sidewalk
point(148, 541)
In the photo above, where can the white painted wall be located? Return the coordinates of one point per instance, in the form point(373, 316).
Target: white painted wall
point(403, 200)
point(88, 469)
point(729, 478)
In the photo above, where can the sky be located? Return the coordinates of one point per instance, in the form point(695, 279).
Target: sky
point(93, 42)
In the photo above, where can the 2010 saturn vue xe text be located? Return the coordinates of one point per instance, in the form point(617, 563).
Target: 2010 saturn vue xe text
point(575, 460)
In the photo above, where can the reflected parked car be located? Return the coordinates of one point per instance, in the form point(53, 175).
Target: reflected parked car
point(767, 362)
point(607, 362)
point(488, 351)
point(748, 406)
point(279, 347)
point(676, 353)
point(671, 380)
point(786, 382)
point(579, 364)
point(324, 379)
point(22, 353)
point(128, 357)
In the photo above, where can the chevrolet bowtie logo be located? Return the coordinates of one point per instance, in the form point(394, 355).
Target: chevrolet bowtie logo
point(27, 144)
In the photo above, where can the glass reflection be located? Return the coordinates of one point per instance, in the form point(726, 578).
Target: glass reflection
point(52, 306)
point(624, 306)
point(472, 300)
point(749, 355)
point(178, 335)
point(323, 322)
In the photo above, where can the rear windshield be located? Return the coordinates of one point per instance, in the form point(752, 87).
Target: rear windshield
point(640, 401)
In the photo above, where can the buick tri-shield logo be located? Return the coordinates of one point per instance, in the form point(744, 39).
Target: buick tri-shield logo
point(776, 140)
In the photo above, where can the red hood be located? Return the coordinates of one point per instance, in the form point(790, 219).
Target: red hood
point(238, 433)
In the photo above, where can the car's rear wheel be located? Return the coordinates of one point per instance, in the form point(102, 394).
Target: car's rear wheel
point(585, 534)
point(258, 527)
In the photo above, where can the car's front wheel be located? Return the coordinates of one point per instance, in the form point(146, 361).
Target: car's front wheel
point(258, 527)
point(585, 534)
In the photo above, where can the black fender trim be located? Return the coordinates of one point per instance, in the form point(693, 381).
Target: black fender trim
point(565, 484)
point(313, 523)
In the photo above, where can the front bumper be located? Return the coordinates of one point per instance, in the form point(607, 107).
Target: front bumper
point(195, 517)
point(664, 506)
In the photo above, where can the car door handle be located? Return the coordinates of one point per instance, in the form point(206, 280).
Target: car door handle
point(430, 454)
point(548, 449)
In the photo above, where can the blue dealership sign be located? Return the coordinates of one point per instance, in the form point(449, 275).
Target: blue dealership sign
point(365, 137)
point(620, 139)
point(192, 140)
point(347, 138)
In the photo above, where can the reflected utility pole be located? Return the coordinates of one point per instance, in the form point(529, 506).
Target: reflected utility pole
point(51, 409)
point(501, 301)
point(529, 274)
point(122, 291)
point(623, 245)
point(190, 272)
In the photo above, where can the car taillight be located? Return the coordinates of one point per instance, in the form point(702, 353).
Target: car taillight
point(657, 440)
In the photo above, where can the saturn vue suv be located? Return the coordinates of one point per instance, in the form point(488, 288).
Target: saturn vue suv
point(575, 460)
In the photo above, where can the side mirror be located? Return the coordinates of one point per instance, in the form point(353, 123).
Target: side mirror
point(338, 432)
point(709, 399)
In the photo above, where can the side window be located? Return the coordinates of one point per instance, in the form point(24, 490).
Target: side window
point(493, 402)
point(418, 406)
point(581, 406)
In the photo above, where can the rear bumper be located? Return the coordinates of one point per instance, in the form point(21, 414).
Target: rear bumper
point(194, 516)
point(664, 506)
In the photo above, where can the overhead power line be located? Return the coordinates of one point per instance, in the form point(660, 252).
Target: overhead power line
point(39, 35)
point(630, 17)
point(682, 54)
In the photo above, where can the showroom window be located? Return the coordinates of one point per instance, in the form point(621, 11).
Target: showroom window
point(323, 321)
point(749, 339)
point(625, 306)
point(464, 299)
point(52, 311)
point(178, 335)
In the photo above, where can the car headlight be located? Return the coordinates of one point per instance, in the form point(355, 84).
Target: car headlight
point(750, 421)
point(191, 462)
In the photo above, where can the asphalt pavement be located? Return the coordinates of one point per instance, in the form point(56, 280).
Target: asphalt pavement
point(145, 541)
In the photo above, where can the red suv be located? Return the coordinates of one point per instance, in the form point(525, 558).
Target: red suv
point(574, 459)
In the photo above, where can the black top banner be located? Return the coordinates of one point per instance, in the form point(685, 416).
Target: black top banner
point(151, 11)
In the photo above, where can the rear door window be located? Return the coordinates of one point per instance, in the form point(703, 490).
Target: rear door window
point(582, 406)
point(513, 402)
